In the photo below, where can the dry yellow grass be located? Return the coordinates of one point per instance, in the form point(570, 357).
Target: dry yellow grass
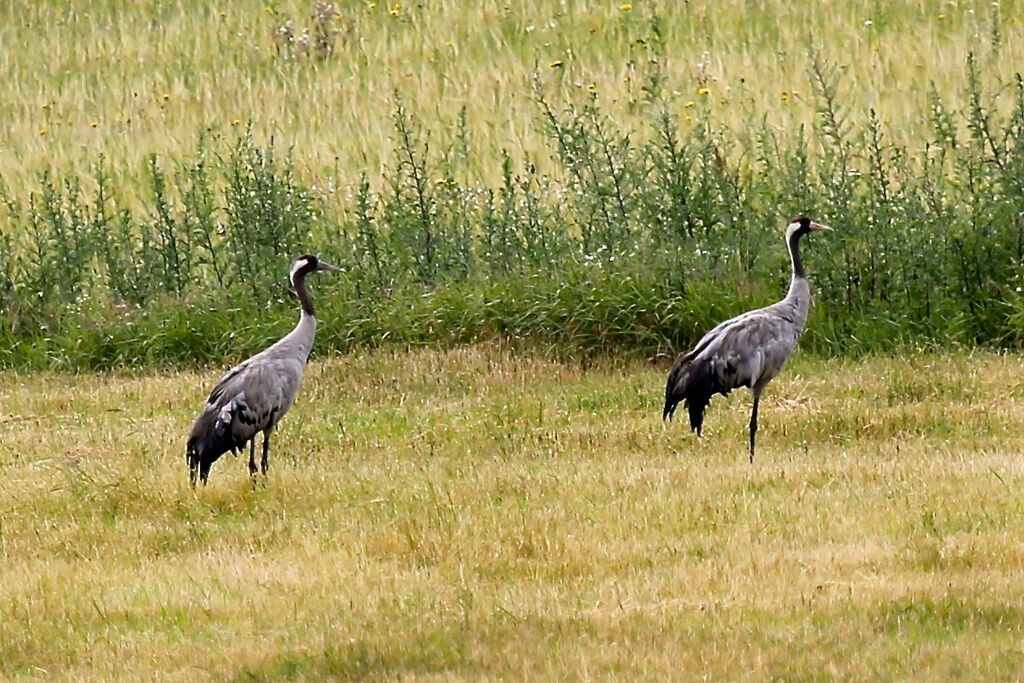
point(471, 514)
point(94, 77)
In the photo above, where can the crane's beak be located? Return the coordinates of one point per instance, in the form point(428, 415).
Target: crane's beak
point(323, 265)
point(816, 226)
point(193, 468)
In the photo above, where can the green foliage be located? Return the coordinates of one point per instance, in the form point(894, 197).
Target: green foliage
point(267, 215)
point(635, 240)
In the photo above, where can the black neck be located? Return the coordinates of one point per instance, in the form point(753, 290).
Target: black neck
point(300, 288)
point(794, 254)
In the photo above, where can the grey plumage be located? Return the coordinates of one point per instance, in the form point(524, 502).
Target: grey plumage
point(255, 394)
point(746, 351)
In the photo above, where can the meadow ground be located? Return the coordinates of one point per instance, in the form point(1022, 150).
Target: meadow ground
point(478, 513)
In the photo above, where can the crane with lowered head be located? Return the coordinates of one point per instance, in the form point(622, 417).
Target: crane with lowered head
point(255, 394)
point(748, 350)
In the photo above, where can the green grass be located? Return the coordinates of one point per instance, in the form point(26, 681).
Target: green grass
point(481, 513)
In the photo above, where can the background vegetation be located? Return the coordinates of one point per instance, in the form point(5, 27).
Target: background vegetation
point(578, 176)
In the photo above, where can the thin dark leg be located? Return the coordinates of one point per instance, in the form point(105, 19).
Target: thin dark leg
point(753, 427)
point(266, 449)
point(252, 458)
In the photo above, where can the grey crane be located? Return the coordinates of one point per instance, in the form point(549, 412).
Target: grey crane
point(255, 394)
point(745, 351)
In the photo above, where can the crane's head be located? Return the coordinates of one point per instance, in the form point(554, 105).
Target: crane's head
point(198, 466)
point(802, 225)
point(306, 264)
point(209, 439)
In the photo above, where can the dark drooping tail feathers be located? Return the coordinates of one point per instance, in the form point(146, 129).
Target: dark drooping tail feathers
point(693, 383)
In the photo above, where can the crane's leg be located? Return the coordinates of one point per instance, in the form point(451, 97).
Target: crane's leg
point(252, 457)
point(753, 426)
point(266, 449)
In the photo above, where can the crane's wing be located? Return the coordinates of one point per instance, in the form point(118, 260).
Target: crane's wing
point(745, 351)
point(751, 353)
point(254, 395)
point(230, 383)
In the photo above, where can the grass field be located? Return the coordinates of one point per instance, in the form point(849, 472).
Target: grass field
point(475, 513)
point(100, 77)
point(506, 509)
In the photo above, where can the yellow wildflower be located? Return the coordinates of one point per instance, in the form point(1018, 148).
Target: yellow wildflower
point(43, 131)
point(395, 9)
point(94, 124)
point(704, 91)
point(942, 17)
point(689, 104)
point(557, 64)
point(625, 7)
point(236, 122)
point(785, 95)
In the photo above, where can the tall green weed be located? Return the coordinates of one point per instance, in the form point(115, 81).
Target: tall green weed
point(625, 240)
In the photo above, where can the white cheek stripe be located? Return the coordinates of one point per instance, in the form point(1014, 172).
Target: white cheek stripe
point(301, 263)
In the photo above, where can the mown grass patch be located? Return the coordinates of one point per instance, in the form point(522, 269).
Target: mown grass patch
point(483, 512)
